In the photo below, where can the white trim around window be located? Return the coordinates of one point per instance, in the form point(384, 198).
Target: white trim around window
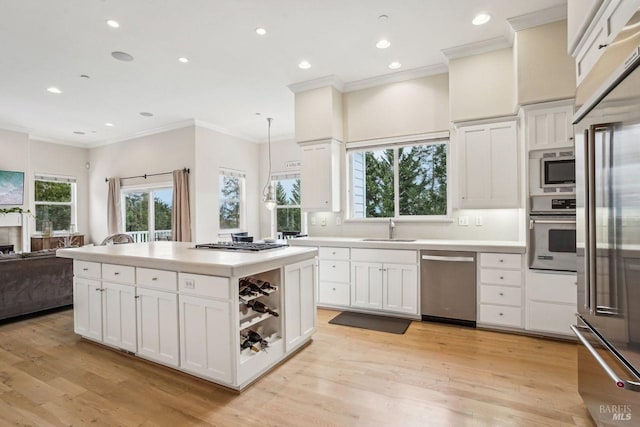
point(242, 201)
point(74, 197)
point(274, 213)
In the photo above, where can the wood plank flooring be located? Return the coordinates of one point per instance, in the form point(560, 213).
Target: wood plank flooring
point(434, 375)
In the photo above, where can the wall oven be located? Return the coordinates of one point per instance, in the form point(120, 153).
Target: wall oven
point(552, 225)
point(558, 169)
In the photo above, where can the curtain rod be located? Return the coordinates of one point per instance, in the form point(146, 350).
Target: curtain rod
point(146, 175)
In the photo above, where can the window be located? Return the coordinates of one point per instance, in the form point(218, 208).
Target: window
point(408, 180)
point(287, 217)
point(55, 202)
point(231, 200)
point(144, 221)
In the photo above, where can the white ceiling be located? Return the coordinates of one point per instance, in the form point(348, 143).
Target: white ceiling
point(232, 74)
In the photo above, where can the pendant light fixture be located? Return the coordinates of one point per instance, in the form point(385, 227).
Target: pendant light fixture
point(268, 193)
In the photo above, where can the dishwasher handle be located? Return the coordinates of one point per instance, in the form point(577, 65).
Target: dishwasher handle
point(448, 258)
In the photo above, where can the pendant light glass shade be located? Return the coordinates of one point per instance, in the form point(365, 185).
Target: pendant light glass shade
point(268, 192)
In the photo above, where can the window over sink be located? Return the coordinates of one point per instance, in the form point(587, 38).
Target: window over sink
point(399, 180)
point(287, 217)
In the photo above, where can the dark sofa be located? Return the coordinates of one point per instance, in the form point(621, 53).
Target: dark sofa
point(33, 282)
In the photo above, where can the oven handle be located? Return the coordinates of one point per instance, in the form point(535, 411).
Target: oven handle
point(553, 221)
point(626, 384)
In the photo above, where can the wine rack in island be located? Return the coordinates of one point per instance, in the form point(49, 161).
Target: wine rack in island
point(260, 324)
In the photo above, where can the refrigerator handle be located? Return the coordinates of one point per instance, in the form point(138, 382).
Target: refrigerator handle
point(626, 384)
point(590, 203)
point(587, 210)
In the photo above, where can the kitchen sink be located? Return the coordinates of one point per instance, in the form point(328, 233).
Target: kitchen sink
point(388, 240)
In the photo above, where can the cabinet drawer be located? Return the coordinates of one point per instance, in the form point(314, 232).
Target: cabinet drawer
point(501, 277)
point(550, 287)
point(119, 273)
point(334, 271)
point(205, 286)
point(90, 270)
point(500, 315)
point(157, 279)
point(500, 295)
point(333, 253)
point(501, 261)
point(554, 318)
point(384, 255)
point(334, 293)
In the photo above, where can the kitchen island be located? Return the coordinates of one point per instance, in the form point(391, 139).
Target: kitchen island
point(181, 307)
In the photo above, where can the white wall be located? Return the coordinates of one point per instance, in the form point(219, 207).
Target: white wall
point(162, 152)
point(397, 109)
point(214, 150)
point(482, 86)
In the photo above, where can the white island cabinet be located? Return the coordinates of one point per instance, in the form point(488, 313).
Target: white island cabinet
point(181, 307)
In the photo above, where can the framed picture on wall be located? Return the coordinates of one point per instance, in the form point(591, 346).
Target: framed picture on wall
point(11, 188)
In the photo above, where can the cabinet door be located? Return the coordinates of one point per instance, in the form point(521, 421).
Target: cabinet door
point(119, 315)
point(319, 173)
point(300, 302)
point(205, 332)
point(158, 326)
point(400, 288)
point(366, 285)
point(489, 166)
point(550, 128)
point(87, 308)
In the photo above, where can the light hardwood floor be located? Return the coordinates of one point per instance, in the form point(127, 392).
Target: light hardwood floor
point(434, 375)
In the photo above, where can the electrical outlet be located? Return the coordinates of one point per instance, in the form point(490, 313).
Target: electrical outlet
point(313, 220)
point(190, 284)
point(323, 221)
point(463, 220)
point(338, 220)
point(478, 220)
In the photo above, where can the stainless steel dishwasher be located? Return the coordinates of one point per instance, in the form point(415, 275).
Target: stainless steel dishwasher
point(448, 287)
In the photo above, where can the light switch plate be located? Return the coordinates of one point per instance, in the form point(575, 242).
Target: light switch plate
point(463, 220)
point(478, 220)
point(190, 284)
point(323, 221)
point(338, 220)
point(313, 220)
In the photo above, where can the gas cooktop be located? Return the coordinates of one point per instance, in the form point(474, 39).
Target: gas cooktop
point(241, 246)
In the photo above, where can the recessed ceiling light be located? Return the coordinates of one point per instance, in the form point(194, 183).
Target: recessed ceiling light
point(113, 24)
point(78, 132)
point(383, 17)
point(304, 65)
point(261, 31)
point(146, 114)
point(183, 59)
point(109, 124)
point(395, 65)
point(258, 114)
point(122, 56)
point(54, 89)
point(481, 18)
point(383, 44)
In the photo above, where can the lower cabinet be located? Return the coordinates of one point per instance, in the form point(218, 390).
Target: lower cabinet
point(119, 316)
point(87, 308)
point(389, 287)
point(551, 302)
point(158, 326)
point(300, 302)
point(205, 331)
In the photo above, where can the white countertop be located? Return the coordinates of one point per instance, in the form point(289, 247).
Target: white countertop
point(181, 256)
point(419, 244)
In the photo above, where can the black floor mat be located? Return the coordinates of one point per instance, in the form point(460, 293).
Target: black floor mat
point(371, 321)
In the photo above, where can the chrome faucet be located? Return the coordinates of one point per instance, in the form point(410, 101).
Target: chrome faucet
point(392, 226)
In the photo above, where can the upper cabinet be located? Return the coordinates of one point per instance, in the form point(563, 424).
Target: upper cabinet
point(488, 166)
point(320, 176)
point(548, 125)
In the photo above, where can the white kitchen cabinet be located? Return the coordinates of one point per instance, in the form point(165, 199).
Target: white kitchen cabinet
point(500, 280)
point(366, 284)
point(205, 331)
point(334, 276)
point(300, 302)
point(87, 308)
point(119, 316)
point(320, 176)
point(488, 165)
point(400, 288)
point(157, 313)
point(549, 125)
point(551, 301)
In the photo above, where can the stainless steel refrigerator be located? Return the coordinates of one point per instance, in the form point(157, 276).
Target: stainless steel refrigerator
point(607, 137)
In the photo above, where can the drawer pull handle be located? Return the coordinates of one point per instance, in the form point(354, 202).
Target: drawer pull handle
point(501, 294)
point(501, 314)
point(333, 266)
point(501, 277)
point(501, 260)
point(154, 278)
point(137, 296)
point(85, 269)
point(334, 289)
point(116, 273)
point(333, 253)
point(98, 290)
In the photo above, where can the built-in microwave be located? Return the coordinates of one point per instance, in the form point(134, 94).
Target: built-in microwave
point(558, 170)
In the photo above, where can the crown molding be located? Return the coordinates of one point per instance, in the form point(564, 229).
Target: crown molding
point(400, 76)
point(476, 48)
point(331, 80)
point(142, 133)
point(223, 130)
point(540, 17)
point(34, 137)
